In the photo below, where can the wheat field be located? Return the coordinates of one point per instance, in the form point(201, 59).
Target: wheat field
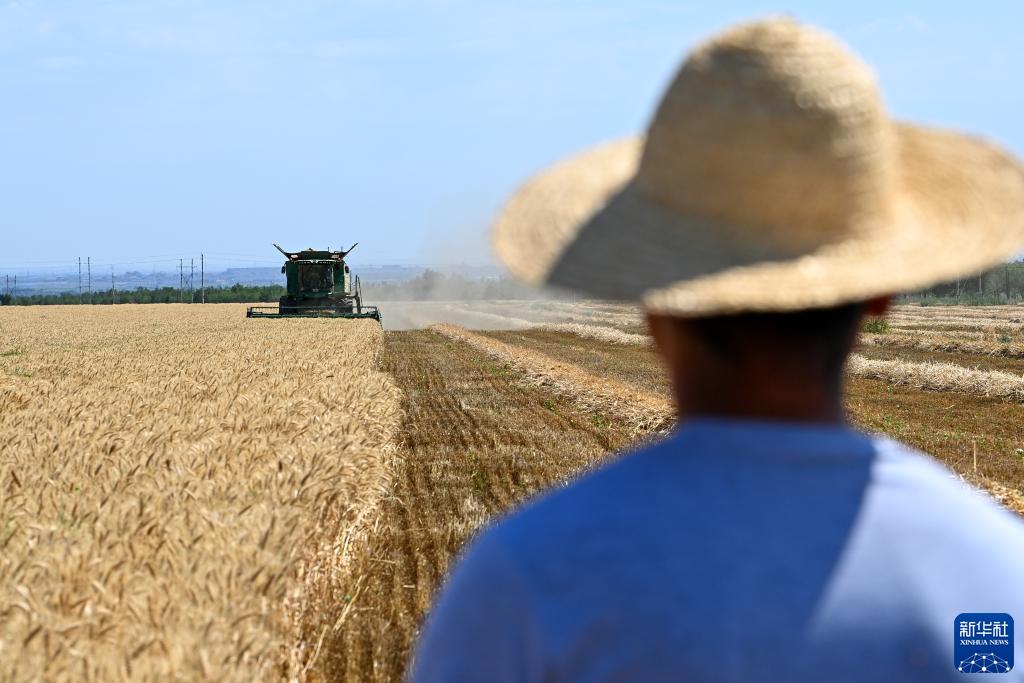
point(179, 487)
point(189, 495)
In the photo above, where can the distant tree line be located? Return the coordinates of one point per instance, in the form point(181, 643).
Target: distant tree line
point(999, 285)
point(428, 286)
point(160, 295)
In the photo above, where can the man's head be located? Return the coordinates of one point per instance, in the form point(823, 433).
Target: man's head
point(757, 188)
point(767, 365)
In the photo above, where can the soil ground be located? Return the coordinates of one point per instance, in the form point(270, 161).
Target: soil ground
point(634, 365)
point(948, 426)
point(475, 443)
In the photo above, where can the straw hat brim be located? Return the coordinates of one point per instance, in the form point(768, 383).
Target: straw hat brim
point(583, 225)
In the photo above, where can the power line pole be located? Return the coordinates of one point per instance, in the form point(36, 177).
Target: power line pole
point(113, 290)
point(79, 280)
point(191, 281)
point(202, 276)
point(88, 268)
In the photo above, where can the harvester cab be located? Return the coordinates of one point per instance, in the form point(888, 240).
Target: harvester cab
point(318, 285)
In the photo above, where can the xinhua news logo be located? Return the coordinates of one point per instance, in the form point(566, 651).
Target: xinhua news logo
point(983, 643)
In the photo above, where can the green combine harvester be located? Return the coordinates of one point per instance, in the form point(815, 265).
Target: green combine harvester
point(319, 285)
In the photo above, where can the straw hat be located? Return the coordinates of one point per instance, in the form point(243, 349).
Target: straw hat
point(770, 179)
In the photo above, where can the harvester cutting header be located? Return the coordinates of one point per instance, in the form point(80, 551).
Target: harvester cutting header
point(319, 285)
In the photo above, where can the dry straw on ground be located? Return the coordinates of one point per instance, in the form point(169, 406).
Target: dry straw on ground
point(940, 377)
point(947, 343)
point(605, 334)
point(642, 411)
point(177, 485)
point(584, 312)
point(930, 376)
point(1006, 313)
point(479, 314)
point(934, 421)
point(488, 316)
point(955, 322)
point(978, 335)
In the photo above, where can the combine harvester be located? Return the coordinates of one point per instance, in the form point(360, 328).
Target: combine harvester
point(319, 285)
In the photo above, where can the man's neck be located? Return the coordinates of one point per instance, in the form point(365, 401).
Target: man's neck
point(763, 395)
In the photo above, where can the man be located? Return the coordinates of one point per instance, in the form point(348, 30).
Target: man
point(770, 208)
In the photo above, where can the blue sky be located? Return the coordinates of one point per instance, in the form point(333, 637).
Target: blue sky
point(138, 132)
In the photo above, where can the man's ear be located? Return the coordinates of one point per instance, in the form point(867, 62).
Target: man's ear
point(878, 306)
point(662, 331)
point(672, 342)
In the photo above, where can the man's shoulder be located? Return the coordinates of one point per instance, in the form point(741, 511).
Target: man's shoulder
point(914, 486)
point(908, 486)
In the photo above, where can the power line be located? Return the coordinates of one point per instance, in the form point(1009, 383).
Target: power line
point(131, 261)
point(165, 258)
point(58, 281)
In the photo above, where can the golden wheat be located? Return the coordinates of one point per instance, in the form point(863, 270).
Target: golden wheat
point(177, 485)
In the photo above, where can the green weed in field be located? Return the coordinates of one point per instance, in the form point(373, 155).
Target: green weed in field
point(877, 326)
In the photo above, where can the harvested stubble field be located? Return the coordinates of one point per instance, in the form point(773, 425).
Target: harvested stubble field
point(476, 441)
point(142, 458)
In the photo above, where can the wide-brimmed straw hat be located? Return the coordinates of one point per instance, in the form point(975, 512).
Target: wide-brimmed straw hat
point(770, 179)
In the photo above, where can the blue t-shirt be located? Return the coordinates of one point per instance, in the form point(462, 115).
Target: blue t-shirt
point(732, 551)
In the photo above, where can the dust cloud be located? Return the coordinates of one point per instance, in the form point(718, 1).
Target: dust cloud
point(410, 315)
point(509, 314)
